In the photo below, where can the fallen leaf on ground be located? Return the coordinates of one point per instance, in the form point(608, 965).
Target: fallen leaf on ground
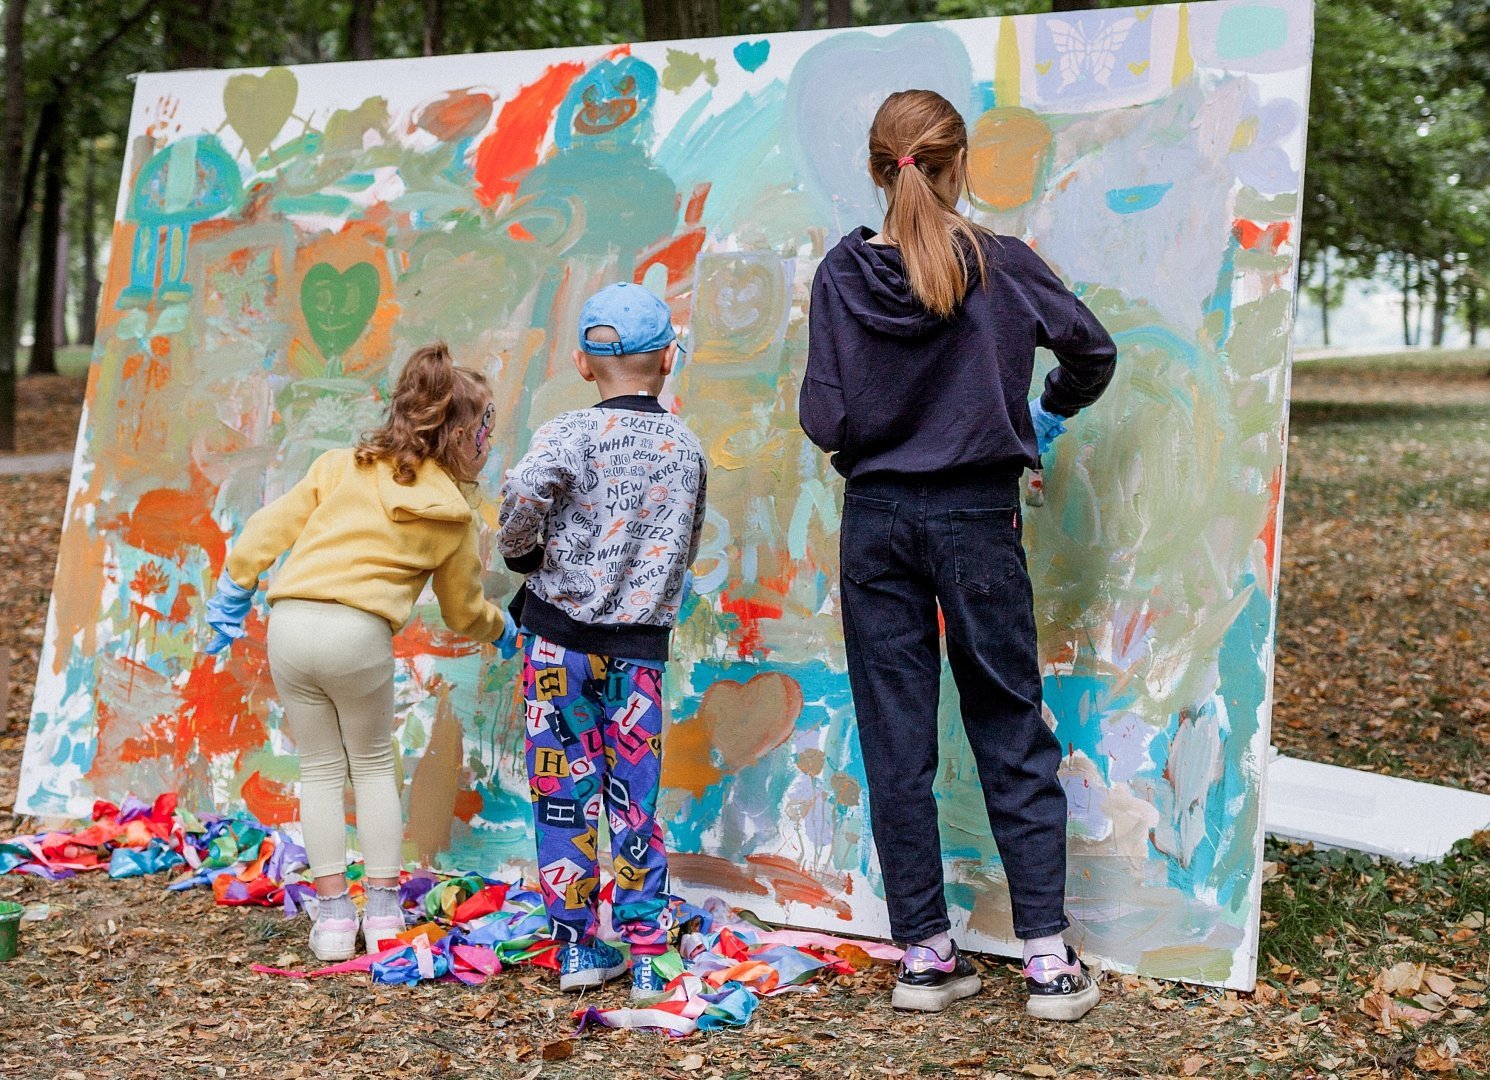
point(1441, 985)
point(558, 1051)
point(1430, 1059)
point(1193, 1064)
point(1405, 978)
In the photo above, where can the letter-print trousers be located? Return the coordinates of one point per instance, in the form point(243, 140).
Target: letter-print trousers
point(594, 741)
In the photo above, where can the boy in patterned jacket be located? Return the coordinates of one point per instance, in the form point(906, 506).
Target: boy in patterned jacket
point(603, 515)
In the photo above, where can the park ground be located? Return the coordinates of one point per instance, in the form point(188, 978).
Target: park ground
point(1382, 665)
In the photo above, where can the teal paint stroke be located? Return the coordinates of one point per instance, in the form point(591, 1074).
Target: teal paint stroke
point(1251, 30)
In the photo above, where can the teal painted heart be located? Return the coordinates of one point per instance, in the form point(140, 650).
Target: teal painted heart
point(337, 304)
point(752, 54)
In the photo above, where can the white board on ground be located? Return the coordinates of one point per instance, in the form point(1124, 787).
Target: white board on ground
point(1334, 807)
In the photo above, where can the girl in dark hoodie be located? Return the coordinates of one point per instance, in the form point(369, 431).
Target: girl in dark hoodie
point(921, 347)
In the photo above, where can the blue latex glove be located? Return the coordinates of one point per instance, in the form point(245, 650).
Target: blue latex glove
point(507, 643)
point(226, 611)
point(1047, 427)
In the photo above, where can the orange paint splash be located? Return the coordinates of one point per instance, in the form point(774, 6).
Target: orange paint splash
point(213, 719)
point(419, 638)
point(679, 254)
point(1269, 535)
point(457, 114)
point(750, 613)
point(467, 804)
point(171, 523)
point(1255, 237)
point(271, 803)
point(513, 146)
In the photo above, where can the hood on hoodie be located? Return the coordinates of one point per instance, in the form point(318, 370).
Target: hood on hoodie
point(874, 285)
point(433, 495)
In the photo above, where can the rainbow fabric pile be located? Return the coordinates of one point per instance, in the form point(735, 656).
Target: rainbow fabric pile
point(465, 928)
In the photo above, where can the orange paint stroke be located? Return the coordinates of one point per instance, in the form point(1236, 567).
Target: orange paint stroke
point(1269, 535)
point(171, 523)
point(467, 804)
point(711, 872)
point(458, 113)
point(419, 638)
point(794, 885)
point(1255, 237)
point(271, 803)
point(750, 613)
point(514, 144)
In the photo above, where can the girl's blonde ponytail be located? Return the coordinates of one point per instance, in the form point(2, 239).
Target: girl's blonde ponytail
point(916, 137)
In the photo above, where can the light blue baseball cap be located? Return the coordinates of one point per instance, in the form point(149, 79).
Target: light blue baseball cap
point(640, 320)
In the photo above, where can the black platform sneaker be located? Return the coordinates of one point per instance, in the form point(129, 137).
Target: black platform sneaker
point(929, 983)
point(1060, 989)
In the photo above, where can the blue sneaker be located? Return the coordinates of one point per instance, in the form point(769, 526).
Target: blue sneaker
point(646, 981)
point(582, 967)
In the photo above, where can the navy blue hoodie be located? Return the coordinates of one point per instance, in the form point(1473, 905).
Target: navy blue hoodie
point(892, 387)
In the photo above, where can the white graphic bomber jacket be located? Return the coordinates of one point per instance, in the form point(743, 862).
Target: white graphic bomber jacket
point(604, 513)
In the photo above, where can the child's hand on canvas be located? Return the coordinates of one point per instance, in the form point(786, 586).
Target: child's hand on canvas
point(1047, 427)
point(226, 612)
point(507, 643)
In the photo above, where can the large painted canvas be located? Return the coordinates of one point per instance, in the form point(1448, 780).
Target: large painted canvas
point(284, 237)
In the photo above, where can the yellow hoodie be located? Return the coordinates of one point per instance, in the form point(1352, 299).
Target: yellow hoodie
point(362, 539)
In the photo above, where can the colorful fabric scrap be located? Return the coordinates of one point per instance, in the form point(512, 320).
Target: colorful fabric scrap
point(693, 1005)
point(473, 926)
point(133, 826)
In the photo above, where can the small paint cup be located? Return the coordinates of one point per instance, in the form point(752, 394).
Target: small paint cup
point(10, 929)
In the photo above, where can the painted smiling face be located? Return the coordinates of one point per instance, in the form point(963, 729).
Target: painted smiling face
point(608, 102)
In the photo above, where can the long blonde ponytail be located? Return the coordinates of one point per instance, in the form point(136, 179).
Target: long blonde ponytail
point(916, 137)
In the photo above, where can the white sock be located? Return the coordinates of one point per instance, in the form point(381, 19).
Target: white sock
point(941, 944)
point(382, 901)
point(1052, 945)
point(336, 907)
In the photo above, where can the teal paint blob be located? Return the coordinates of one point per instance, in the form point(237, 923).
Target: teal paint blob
point(1251, 31)
point(1131, 200)
point(750, 55)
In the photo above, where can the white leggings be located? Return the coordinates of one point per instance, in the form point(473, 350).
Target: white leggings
point(333, 668)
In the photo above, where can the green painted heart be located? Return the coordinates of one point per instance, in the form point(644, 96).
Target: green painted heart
point(258, 106)
point(337, 304)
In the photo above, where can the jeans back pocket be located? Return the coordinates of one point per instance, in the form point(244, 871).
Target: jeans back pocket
point(986, 549)
point(866, 542)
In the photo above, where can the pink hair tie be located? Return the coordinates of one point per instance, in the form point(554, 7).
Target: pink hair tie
point(907, 160)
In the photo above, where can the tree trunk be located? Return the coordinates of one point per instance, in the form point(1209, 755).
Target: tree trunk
point(192, 36)
point(12, 151)
point(88, 312)
point(1072, 5)
point(1406, 303)
point(1440, 302)
point(1420, 281)
point(64, 276)
point(807, 14)
point(360, 30)
point(840, 13)
point(48, 232)
point(1472, 298)
point(1324, 296)
point(666, 20)
point(434, 27)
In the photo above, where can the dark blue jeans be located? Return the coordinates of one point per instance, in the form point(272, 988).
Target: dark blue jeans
point(907, 544)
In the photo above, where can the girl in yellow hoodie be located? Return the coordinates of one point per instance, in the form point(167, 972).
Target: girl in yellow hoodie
point(366, 528)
